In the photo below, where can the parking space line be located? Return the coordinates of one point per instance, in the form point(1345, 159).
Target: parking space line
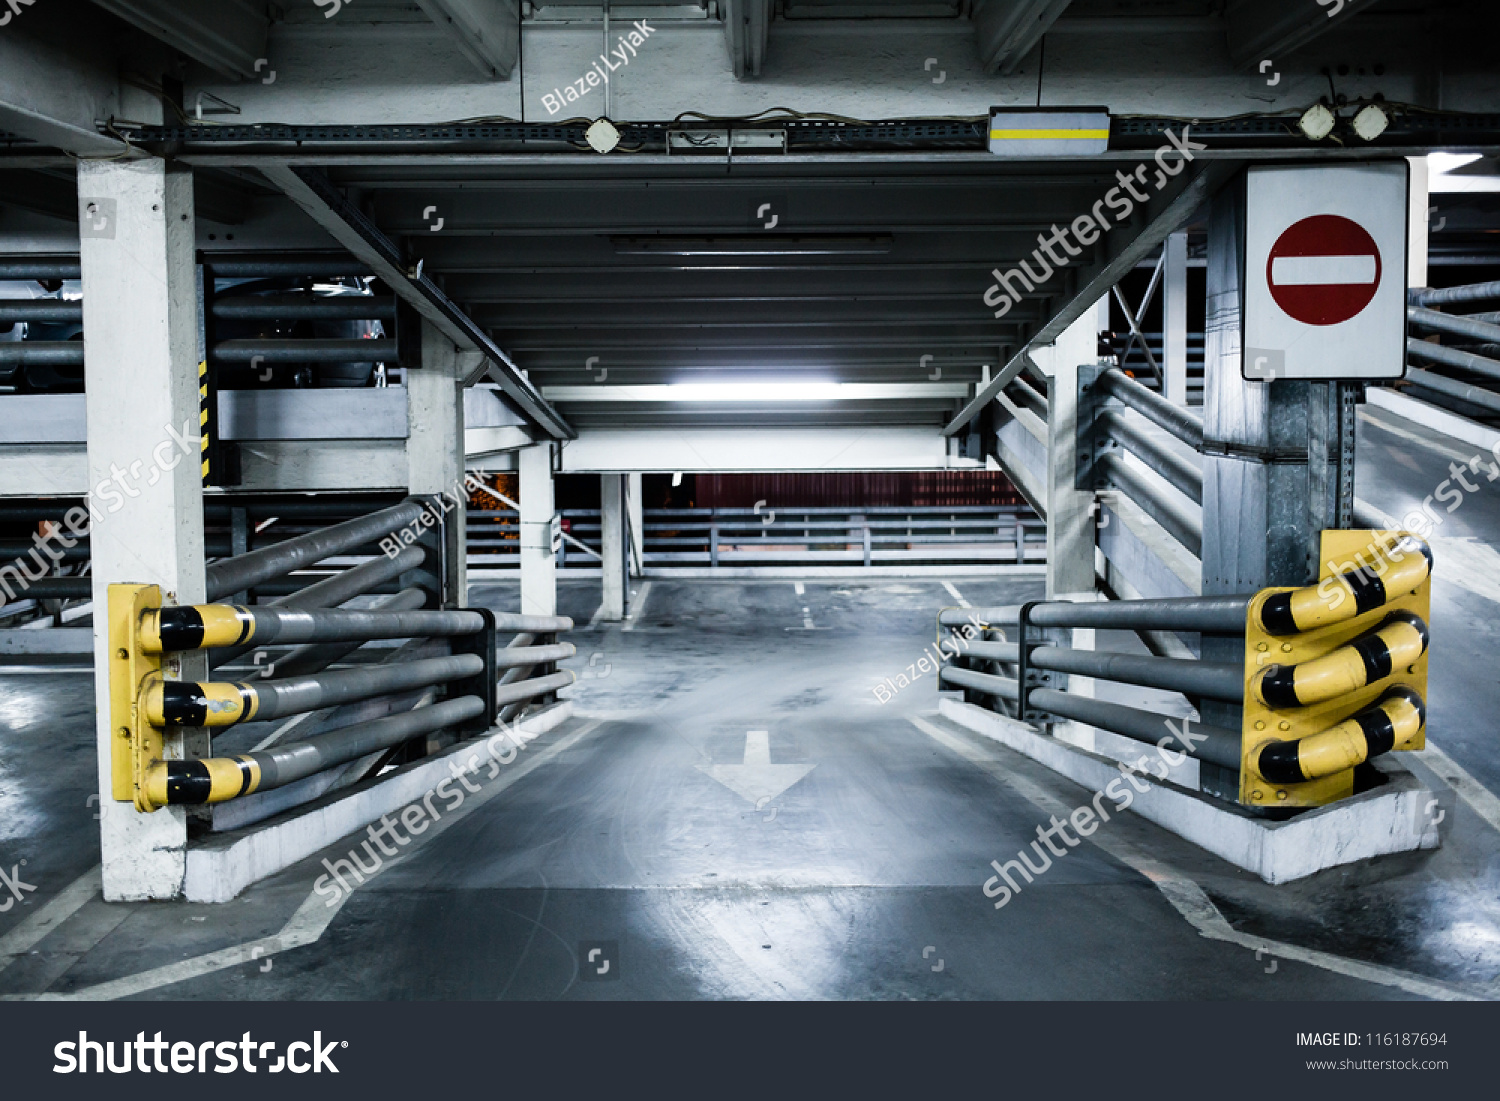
point(958, 596)
point(637, 606)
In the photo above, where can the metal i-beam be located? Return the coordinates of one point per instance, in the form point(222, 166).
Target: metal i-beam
point(1008, 30)
point(1258, 29)
point(1118, 253)
point(228, 36)
point(327, 205)
point(746, 23)
point(487, 32)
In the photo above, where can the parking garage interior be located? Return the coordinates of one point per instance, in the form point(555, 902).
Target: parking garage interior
point(577, 502)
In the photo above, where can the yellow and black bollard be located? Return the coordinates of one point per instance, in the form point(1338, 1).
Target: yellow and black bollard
point(1336, 672)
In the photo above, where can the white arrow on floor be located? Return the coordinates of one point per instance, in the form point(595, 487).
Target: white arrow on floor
point(757, 779)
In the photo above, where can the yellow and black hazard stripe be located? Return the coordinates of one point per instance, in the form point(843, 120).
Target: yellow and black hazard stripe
point(1350, 594)
point(1397, 717)
point(172, 630)
point(1398, 642)
point(193, 783)
point(190, 703)
point(205, 435)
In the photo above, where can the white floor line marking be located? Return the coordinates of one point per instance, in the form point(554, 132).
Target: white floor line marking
point(312, 918)
point(799, 588)
point(597, 616)
point(958, 596)
point(1480, 799)
point(67, 902)
point(807, 619)
point(637, 606)
point(1189, 900)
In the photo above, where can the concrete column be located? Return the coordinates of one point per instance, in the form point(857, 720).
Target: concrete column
point(1175, 318)
point(635, 510)
point(538, 566)
point(435, 445)
point(1070, 519)
point(140, 310)
point(612, 544)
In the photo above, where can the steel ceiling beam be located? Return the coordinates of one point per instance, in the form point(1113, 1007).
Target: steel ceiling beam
point(331, 209)
point(228, 36)
point(487, 32)
point(1008, 30)
point(1262, 29)
point(1120, 253)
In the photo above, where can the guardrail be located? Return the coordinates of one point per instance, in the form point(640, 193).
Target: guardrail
point(1335, 673)
point(1470, 347)
point(782, 536)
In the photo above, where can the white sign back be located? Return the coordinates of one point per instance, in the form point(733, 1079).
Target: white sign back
point(1325, 272)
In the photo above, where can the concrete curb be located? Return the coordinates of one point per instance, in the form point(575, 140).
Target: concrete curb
point(1393, 818)
point(221, 868)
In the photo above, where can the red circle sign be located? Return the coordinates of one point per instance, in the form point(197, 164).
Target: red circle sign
point(1324, 270)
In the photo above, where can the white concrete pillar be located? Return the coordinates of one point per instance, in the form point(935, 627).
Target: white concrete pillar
point(635, 510)
point(1418, 222)
point(1175, 318)
point(140, 316)
point(435, 443)
point(612, 544)
point(1070, 519)
point(538, 566)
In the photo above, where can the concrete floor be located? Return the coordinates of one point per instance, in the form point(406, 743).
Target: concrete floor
point(833, 888)
point(850, 868)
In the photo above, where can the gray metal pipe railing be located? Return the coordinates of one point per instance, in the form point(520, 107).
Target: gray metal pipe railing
point(1221, 747)
point(35, 269)
point(1474, 292)
point(521, 690)
point(1434, 321)
point(294, 695)
point(1186, 528)
point(1219, 615)
point(338, 589)
point(1436, 353)
point(512, 656)
point(1459, 391)
point(294, 761)
point(39, 309)
point(42, 353)
point(314, 658)
point(998, 617)
point(990, 651)
point(1182, 472)
point(291, 626)
point(335, 307)
point(1155, 408)
point(303, 351)
point(1004, 687)
point(1216, 680)
point(244, 572)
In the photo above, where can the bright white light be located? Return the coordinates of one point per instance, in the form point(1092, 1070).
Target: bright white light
point(1441, 179)
point(751, 391)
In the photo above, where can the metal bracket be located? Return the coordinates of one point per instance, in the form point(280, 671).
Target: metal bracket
point(1091, 440)
point(483, 683)
point(1027, 676)
point(136, 743)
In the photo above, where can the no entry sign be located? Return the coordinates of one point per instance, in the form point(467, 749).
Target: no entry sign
point(1325, 272)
